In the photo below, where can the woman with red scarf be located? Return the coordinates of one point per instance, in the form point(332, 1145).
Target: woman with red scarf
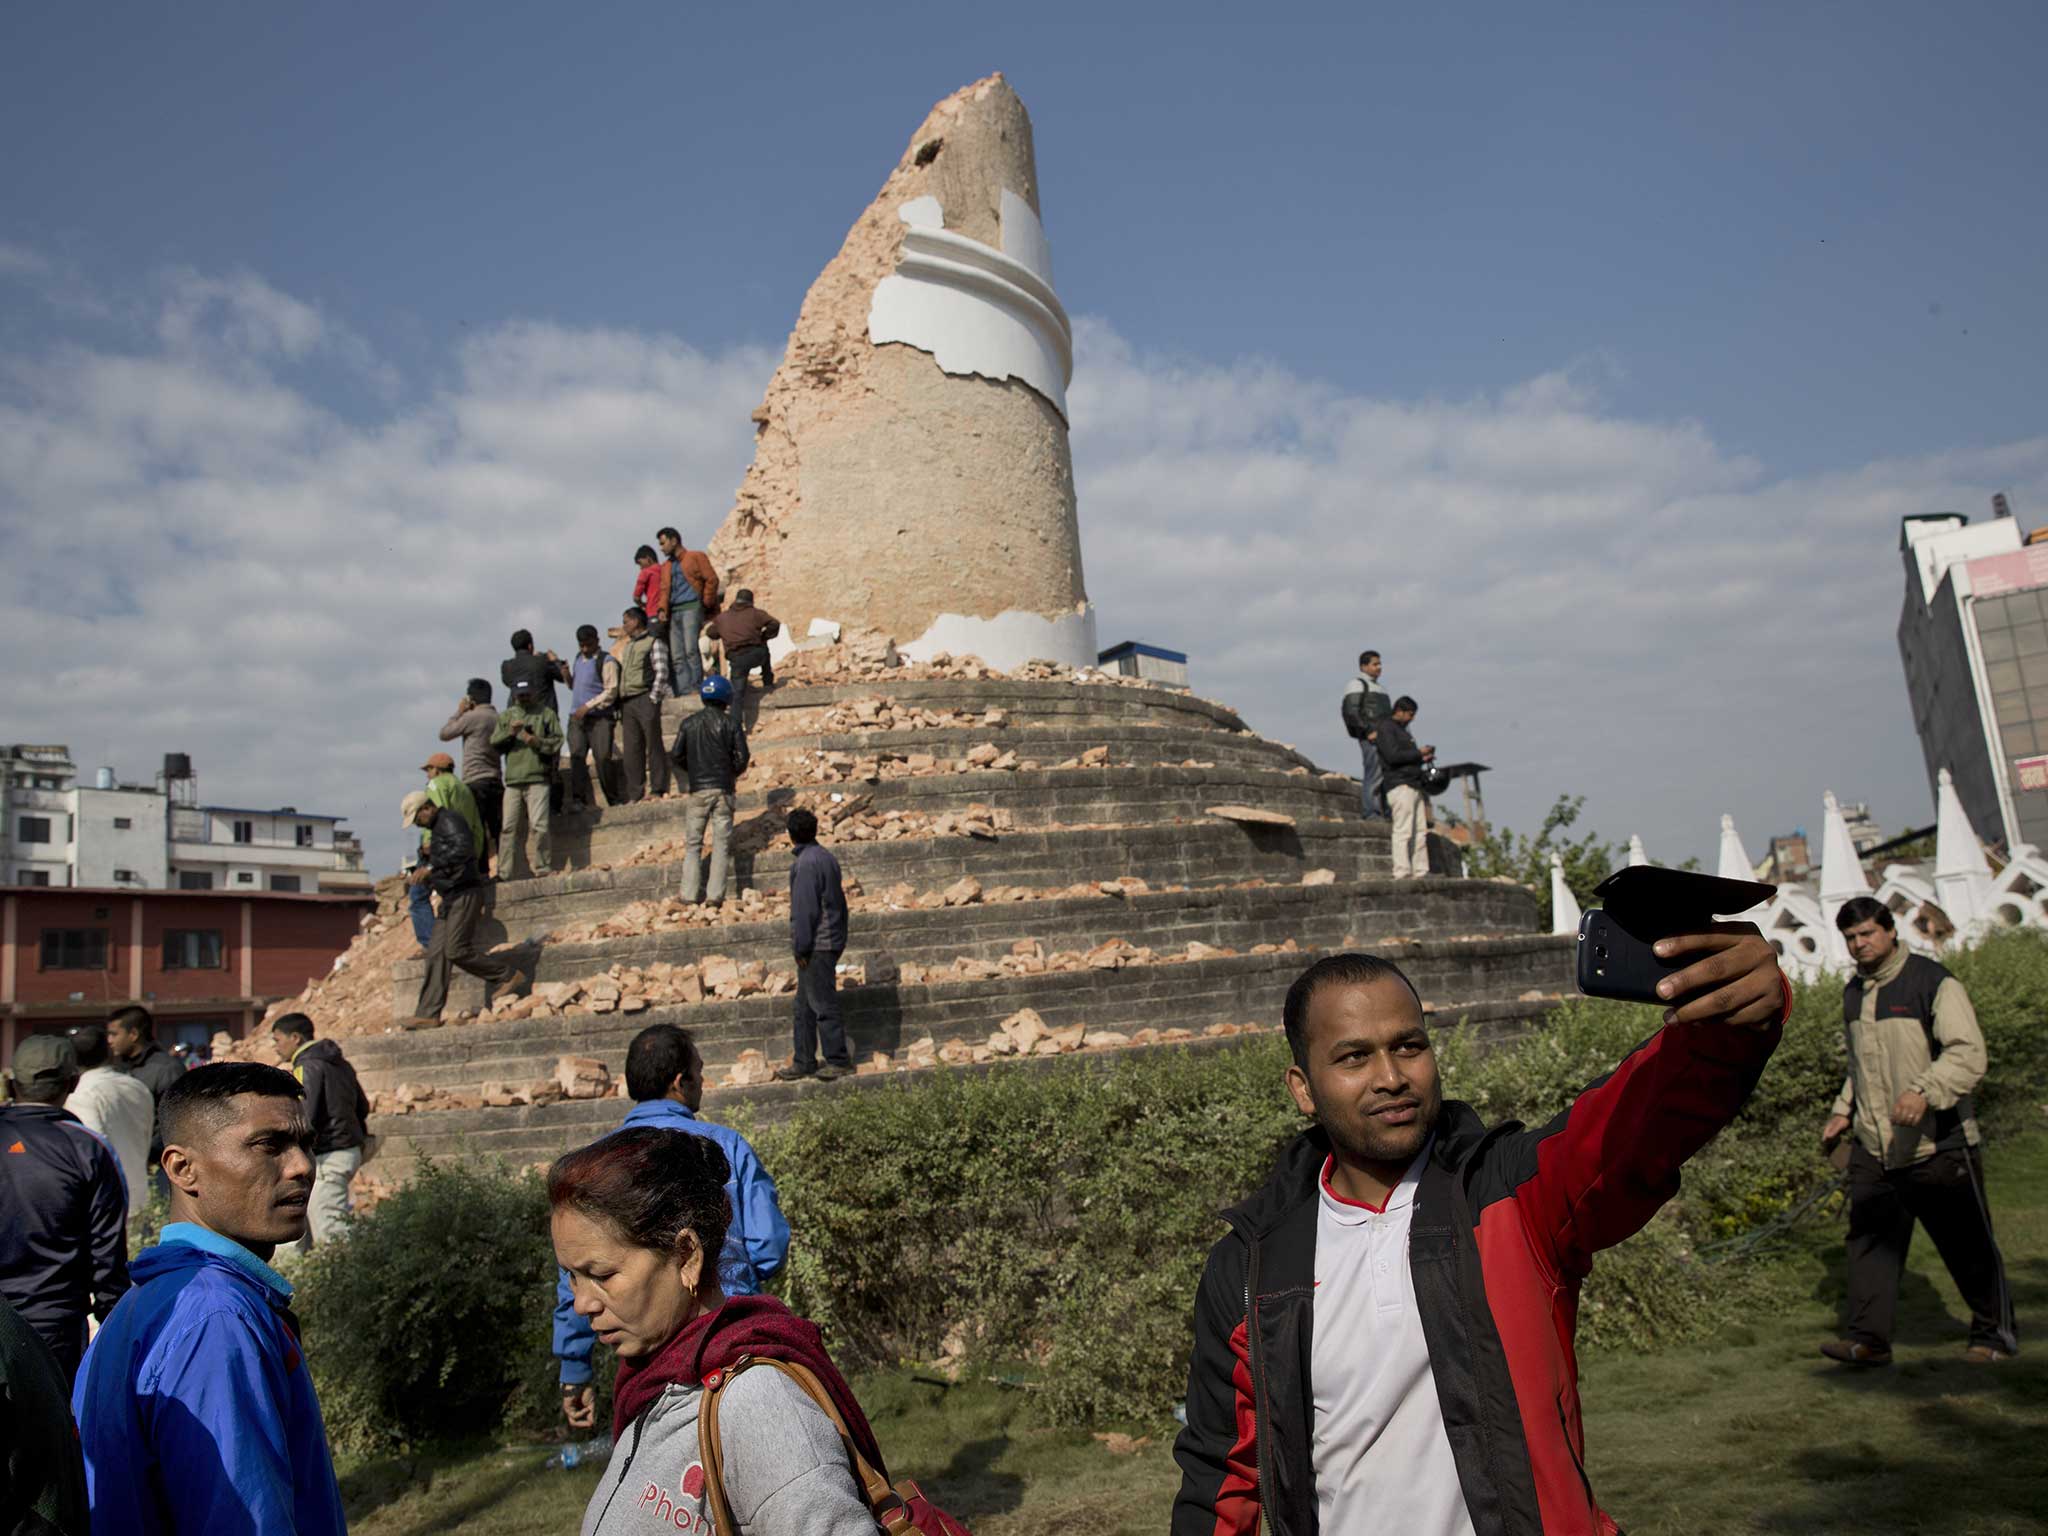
point(639, 1219)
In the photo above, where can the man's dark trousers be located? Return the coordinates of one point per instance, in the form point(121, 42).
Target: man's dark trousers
point(1944, 1193)
point(593, 733)
point(646, 757)
point(748, 658)
point(817, 1013)
point(489, 795)
point(454, 943)
point(1373, 783)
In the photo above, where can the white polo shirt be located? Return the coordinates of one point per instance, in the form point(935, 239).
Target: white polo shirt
point(1382, 1459)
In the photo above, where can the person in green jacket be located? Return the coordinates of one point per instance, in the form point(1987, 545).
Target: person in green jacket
point(529, 735)
point(42, 1474)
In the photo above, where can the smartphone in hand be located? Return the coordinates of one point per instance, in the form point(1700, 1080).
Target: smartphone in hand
point(1641, 905)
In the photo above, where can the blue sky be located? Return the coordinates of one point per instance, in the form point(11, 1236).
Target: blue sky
point(1769, 259)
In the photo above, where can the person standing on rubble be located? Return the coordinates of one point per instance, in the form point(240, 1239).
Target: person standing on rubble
point(745, 631)
point(817, 931)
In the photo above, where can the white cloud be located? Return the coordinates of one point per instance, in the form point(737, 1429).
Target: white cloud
point(197, 554)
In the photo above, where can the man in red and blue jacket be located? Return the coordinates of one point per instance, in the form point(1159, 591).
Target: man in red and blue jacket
point(1384, 1340)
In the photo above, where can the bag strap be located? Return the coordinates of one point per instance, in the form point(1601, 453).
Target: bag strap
point(889, 1508)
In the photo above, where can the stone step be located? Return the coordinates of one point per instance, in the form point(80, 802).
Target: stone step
point(889, 1015)
point(1045, 798)
point(1355, 914)
point(1195, 853)
point(795, 707)
point(1046, 745)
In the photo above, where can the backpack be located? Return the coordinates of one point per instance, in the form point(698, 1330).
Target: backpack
point(898, 1510)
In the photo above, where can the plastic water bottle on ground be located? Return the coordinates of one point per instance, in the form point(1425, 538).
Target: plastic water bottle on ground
point(598, 1448)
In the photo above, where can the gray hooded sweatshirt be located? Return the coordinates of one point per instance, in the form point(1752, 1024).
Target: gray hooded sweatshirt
point(786, 1472)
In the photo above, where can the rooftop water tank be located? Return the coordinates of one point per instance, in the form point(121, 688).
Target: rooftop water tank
point(104, 779)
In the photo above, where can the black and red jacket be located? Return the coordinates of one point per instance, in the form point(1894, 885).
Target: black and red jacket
point(1506, 1225)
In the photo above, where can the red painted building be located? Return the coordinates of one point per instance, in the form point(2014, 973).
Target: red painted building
point(201, 961)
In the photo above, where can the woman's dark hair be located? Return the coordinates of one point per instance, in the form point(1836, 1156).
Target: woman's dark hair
point(645, 552)
point(1863, 909)
point(650, 1186)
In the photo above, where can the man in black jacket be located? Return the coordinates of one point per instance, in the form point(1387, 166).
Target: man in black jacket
point(1384, 1339)
point(1404, 764)
point(339, 1112)
point(63, 1206)
point(131, 1040)
point(710, 755)
point(817, 932)
point(450, 867)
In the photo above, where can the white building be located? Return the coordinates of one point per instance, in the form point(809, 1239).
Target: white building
point(1974, 640)
point(57, 832)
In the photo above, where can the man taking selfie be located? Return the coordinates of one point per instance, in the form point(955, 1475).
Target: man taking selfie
point(1383, 1342)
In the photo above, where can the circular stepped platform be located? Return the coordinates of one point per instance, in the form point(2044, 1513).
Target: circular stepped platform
point(1471, 946)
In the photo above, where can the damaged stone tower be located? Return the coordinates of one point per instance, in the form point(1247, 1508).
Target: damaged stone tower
point(912, 474)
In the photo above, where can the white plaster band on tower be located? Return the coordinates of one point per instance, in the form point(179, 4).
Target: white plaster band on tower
point(1010, 639)
point(975, 309)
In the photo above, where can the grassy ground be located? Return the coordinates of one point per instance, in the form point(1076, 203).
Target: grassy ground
point(1751, 1433)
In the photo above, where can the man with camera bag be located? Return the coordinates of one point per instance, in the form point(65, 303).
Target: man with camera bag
point(1915, 1053)
point(1366, 703)
point(1407, 771)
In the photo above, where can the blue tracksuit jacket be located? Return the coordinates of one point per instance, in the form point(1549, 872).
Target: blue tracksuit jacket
point(754, 1249)
point(195, 1409)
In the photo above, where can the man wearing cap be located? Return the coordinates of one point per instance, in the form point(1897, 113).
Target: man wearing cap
point(529, 735)
point(443, 788)
point(64, 1242)
point(472, 723)
point(450, 867)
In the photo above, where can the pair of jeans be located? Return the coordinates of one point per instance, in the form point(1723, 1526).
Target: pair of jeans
point(686, 665)
point(738, 664)
point(1945, 1194)
point(526, 804)
point(454, 944)
point(817, 1013)
point(715, 806)
point(1373, 783)
point(420, 902)
point(327, 1210)
point(591, 734)
point(1411, 831)
point(646, 757)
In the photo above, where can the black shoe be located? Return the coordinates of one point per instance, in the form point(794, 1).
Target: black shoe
point(794, 1074)
point(829, 1073)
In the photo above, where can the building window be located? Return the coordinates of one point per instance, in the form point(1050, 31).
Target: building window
point(126, 877)
point(45, 782)
point(305, 837)
point(193, 949)
point(245, 878)
point(124, 823)
point(284, 882)
point(35, 877)
point(195, 879)
point(35, 829)
point(245, 831)
point(74, 949)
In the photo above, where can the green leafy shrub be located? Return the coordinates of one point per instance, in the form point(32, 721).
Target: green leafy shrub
point(432, 1317)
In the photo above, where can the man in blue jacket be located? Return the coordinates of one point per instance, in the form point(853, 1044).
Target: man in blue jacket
point(665, 1076)
point(817, 936)
point(195, 1408)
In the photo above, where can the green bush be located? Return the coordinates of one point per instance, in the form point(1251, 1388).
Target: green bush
point(432, 1317)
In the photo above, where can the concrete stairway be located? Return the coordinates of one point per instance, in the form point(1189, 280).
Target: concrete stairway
point(1157, 764)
